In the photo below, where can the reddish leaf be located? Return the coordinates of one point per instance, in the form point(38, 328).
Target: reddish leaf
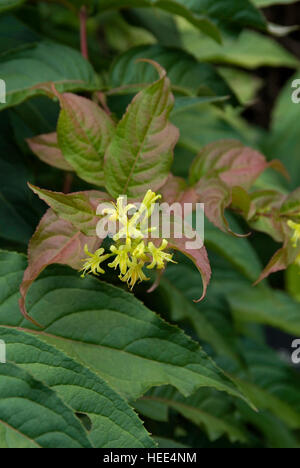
point(291, 205)
point(277, 263)
point(173, 189)
point(234, 163)
point(241, 201)
point(284, 257)
point(46, 148)
point(216, 197)
point(176, 190)
point(141, 152)
point(55, 241)
point(84, 133)
point(266, 217)
point(199, 257)
point(77, 208)
point(191, 245)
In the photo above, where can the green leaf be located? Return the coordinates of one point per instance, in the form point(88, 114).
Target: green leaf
point(159, 23)
point(284, 141)
point(114, 423)
point(279, 310)
point(9, 4)
point(216, 124)
point(109, 331)
point(244, 300)
point(245, 84)
point(206, 16)
point(14, 33)
point(141, 152)
point(238, 252)
point(292, 280)
point(19, 212)
point(73, 74)
point(266, 3)
point(36, 413)
point(84, 132)
point(273, 384)
point(250, 50)
point(202, 79)
point(176, 290)
point(274, 434)
point(205, 408)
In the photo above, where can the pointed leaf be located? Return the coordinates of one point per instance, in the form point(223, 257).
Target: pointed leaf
point(73, 74)
point(35, 414)
point(114, 423)
point(84, 131)
point(198, 256)
point(234, 163)
point(216, 197)
point(141, 152)
point(110, 331)
point(46, 148)
point(55, 241)
point(202, 79)
point(77, 208)
point(206, 408)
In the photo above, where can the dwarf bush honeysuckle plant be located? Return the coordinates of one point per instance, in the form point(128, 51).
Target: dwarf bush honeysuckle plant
point(132, 158)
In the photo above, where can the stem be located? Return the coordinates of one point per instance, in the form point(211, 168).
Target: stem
point(68, 182)
point(102, 100)
point(83, 33)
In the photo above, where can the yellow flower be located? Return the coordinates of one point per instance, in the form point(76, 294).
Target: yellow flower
point(118, 212)
point(121, 259)
point(135, 273)
point(148, 202)
point(139, 251)
point(130, 252)
point(158, 256)
point(296, 236)
point(92, 264)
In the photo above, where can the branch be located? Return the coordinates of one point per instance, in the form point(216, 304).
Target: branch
point(83, 16)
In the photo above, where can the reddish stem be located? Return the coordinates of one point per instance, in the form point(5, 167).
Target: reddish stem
point(102, 99)
point(68, 182)
point(83, 16)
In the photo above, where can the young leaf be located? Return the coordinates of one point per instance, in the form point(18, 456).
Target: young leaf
point(198, 256)
point(234, 163)
point(55, 241)
point(141, 152)
point(77, 208)
point(46, 148)
point(173, 190)
point(114, 423)
point(216, 197)
point(84, 132)
point(34, 415)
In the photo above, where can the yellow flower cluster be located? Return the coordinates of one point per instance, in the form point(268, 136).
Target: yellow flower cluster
point(131, 251)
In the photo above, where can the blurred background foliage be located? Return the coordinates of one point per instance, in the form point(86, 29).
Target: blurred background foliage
point(238, 87)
